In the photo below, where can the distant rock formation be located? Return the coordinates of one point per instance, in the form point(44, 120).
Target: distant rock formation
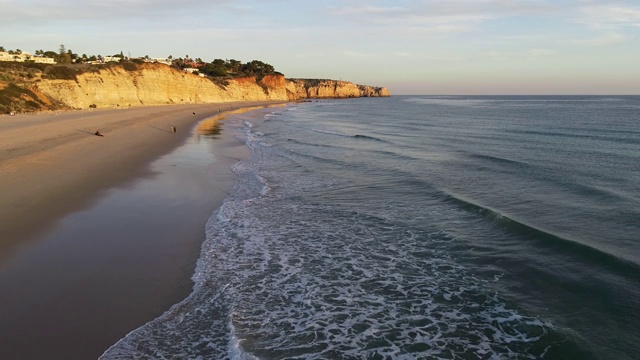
point(331, 89)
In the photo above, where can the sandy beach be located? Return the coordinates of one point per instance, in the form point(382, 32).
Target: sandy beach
point(100, 234)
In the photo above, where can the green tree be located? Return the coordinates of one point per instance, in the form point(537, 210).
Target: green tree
point(2, 48)
point(72, 56)
point(51, 54)
point(235, 65)
point(63, 55)
point(216, 68)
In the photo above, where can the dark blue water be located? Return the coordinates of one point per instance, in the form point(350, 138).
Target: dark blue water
point(421, 227)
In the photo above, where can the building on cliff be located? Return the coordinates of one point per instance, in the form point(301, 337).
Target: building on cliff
point(24, 57)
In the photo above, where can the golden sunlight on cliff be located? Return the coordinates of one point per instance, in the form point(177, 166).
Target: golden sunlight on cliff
point(157, 84)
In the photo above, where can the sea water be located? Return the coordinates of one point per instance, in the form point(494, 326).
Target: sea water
point(421, 227)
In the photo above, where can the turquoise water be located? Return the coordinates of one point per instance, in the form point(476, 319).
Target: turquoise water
point(421, 227)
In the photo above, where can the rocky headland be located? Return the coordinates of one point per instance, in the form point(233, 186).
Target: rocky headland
point(129, 85)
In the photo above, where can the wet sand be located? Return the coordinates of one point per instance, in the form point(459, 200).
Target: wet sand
point(97, 237)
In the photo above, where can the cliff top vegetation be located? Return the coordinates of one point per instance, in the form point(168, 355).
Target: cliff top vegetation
point(218, 68)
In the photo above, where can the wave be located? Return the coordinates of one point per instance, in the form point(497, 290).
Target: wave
point(356, 136)
point(499, 159)
point(573, 185)
point(548, 239)
point(605, 135)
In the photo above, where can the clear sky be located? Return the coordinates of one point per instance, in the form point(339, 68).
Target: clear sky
point(410, 46)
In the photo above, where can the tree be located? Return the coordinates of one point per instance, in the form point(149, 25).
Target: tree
point(51, 54)
point(257, 68)
point(72, 56)
point(2, 48)
point(216, 68)
point(64, 55)
point(235, 65)
point(177, 63)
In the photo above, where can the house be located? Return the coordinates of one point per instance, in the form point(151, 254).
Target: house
point(162, 61)
point(112, 59)
point(25, 56)
point(192, 70)
point(43, 60)
point(6, 56)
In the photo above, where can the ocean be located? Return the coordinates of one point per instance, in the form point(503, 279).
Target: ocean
point(421, 227)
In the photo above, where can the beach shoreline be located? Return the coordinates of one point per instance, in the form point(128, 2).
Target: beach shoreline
point(52, 163)
point(72, 208)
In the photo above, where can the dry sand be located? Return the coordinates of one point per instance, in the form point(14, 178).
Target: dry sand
point(71, 298)
point(52, 164)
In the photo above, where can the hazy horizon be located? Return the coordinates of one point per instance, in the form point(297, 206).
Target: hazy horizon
point(412, 47)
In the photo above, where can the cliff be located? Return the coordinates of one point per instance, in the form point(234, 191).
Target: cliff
point(156, 84)
point(324, 89)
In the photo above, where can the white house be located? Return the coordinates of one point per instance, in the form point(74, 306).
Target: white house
point(25, 56)
point(161, 61)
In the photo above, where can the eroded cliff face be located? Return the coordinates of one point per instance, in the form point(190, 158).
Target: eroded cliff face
point(325, 89)
point(157, 84)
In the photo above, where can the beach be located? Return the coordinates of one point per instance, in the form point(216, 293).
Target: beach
point(100, 234)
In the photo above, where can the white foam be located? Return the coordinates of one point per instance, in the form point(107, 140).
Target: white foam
point(286, 274)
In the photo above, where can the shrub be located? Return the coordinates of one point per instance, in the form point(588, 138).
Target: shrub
point(60, 73)
point(33, 105)
point(129, 66)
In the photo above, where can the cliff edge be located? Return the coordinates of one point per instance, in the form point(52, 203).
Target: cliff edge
point(132, 84)
point(331, 89)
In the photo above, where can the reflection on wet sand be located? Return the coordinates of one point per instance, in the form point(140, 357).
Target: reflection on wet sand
point(212, 126)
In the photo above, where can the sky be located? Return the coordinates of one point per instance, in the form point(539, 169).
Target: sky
point(409, 46)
